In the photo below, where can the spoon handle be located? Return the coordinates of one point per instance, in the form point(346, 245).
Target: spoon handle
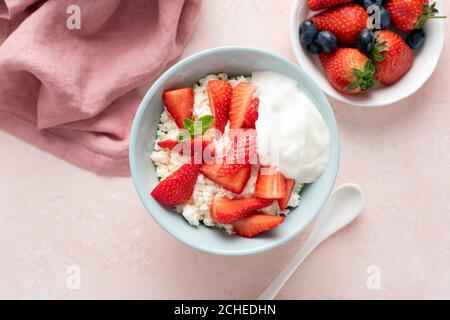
point(343, 206)
point(271, 291)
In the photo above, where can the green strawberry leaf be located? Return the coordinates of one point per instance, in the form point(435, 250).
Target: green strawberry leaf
point(429, 12)
point(377, 53)
point(364, 78)
point(353, 86)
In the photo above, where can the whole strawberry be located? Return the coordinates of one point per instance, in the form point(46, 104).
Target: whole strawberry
point(392, 56)
point(407, 15)
point(349, 70)
point(345, 22)
point(315, 5)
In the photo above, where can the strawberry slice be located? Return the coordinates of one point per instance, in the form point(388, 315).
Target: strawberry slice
point(226, 211)
point(234, 182)
point(242, 152)
point(178, 187)
point(192, 145)
point(252, 225)
point(283, 203)
point(242, 97)
point(180, 104)
point(219, 93)
point(270, 184)
point(227, 169)
point(252, 114)
point(168, 144)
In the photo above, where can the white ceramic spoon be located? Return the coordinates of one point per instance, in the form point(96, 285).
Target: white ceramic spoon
point(344, 205)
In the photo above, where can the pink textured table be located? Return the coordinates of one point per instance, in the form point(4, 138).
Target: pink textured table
point(67, 233)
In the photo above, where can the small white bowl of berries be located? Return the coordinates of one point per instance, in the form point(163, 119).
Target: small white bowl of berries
point(368, 53)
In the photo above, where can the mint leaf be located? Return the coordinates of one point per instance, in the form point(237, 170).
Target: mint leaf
point(180, 137)
point(198, 127)
point(207, 121)
point(189, 125)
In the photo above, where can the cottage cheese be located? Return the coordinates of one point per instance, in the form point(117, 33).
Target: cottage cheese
point(292, 135)
point(198, 208)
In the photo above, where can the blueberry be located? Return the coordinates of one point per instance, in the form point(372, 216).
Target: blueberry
point(368, 3)
point(385, 18)
point(308, 32)
point(378, 2)
point(313, 47)
point(366, 40)
point(327, 41)
point(416, 38)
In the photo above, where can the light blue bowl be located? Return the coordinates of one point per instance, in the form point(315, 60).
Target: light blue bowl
point(232, 60)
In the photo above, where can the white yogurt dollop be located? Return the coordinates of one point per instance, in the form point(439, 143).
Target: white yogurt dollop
point(291, 133)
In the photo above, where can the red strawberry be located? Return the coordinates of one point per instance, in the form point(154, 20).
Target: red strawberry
point(168, 144)
point(252, 114)
point(393, 57)
point(227, 169)
point(315, 5)
point(220, 92)
point(241, 152)
point(224, 210)
point(178, 187)
point(283, 203)
point(348, 70)
point(242, 97)
point(180, 104)
point(252, 225)
point(193, 145)
point(407, 15)
point(234, 182)
point(345, 22)
point(270, 184)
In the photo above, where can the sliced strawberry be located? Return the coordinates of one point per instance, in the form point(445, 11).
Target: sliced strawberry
point(283, 203)
point(227, 169)
point(180, 104)
point(220, 92)
point(250, 226)
point(178, 187)
point(225, 210)
point(193, 146)
point(270, 184)
point(168, 144)
point(242, 97)
point(234, 182)
point(241, 152)
point(252, 114)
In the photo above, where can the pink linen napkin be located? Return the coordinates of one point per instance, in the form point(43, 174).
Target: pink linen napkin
point(72, 92)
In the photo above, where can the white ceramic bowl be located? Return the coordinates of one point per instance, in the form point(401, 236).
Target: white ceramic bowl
point(426, 60)
point(232, 60)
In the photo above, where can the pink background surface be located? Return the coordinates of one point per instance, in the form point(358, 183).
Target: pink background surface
point(53, 215)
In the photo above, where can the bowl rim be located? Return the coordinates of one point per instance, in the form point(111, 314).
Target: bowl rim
point(134, 135)
point(331, 92)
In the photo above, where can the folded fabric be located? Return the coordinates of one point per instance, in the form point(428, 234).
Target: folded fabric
point(69, 71)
